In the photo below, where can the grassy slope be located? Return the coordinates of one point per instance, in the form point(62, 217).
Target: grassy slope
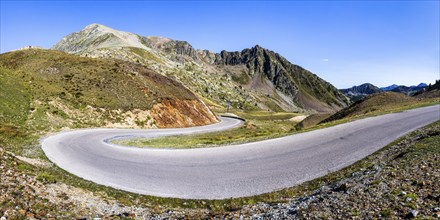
point(102, 83)
point(380, 103)
point(373, 105)
point(43, 91)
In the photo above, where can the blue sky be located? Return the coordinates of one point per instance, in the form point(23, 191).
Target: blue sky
point(344, 42)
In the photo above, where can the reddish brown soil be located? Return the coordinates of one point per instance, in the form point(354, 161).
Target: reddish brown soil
point(173, 113)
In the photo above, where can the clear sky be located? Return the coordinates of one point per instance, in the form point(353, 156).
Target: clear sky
point(344, 42)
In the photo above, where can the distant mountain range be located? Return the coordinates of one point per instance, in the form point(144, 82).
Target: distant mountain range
point(394, 86)
point(251, 79)
point(356, 93)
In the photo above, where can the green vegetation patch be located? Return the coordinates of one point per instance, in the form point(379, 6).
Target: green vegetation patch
point(241, 78)
point(14, 96)
point(46, 177)
point(253, 130)
point(145, 54)
point(266, 115)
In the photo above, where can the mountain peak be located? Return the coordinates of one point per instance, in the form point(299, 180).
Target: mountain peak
point(367, 84)
point(257, 47)
point(94, 25)
point(95, 36)
point(99, 27)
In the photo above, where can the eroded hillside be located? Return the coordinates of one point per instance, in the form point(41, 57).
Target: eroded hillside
point(45, 91)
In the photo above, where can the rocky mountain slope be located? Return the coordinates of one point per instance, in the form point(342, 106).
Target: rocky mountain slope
point(356, 93)
point(254, 78)
point(410, 90)
point(44, 91)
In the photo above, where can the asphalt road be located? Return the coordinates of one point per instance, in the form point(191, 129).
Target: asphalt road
point(231, 171)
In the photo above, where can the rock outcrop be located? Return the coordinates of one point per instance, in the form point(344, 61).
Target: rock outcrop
point(303, 87)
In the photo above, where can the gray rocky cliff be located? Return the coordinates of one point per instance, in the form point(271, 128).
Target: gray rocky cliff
point(288, 78)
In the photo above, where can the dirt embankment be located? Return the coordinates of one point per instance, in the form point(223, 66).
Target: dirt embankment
point(173, 113)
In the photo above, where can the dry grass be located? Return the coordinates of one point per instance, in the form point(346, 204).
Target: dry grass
point(381, 103)
point(259, 126)
point(45, 91)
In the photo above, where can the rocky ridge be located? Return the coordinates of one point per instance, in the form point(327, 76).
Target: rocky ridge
point(254, 78)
